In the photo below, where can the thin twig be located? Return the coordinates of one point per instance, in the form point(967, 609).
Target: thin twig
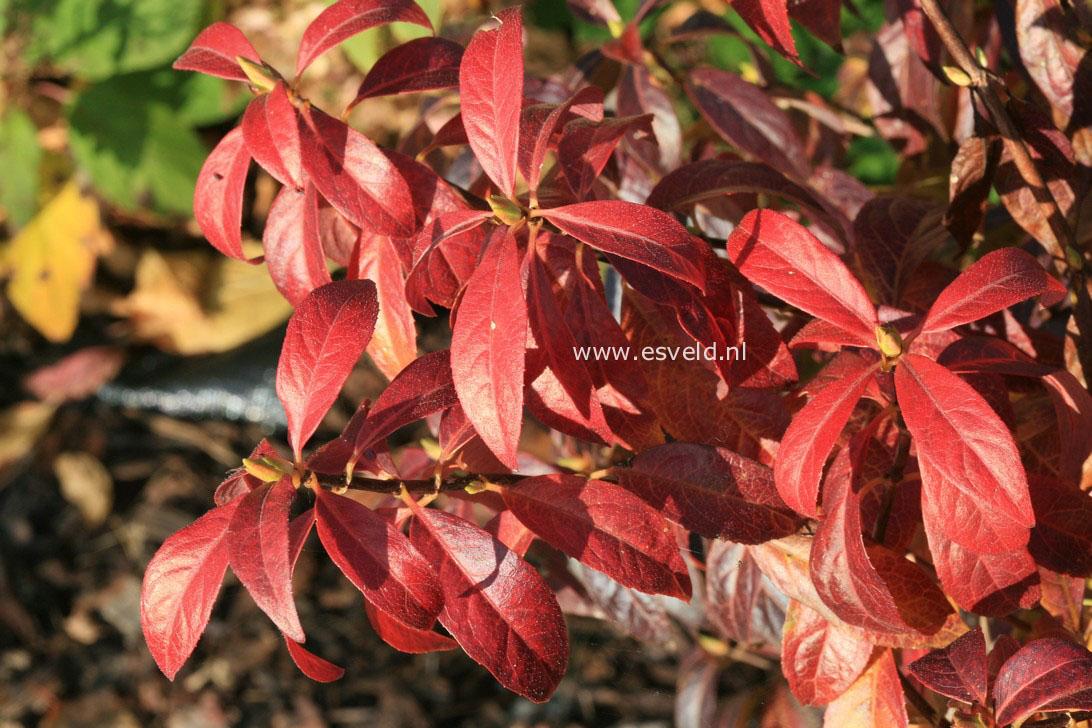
point(1014, 142)
point(394, 485)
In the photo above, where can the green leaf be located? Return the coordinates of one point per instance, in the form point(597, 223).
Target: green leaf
point(20, 157)
point(134, 135)
point(96, 39)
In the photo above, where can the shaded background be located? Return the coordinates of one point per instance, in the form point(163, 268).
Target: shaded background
point(125, 394)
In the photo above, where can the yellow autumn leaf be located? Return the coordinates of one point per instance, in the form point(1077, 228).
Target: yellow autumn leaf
point(51, 262)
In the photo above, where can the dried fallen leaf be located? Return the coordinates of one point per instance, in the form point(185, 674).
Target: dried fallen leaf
point(86, 484)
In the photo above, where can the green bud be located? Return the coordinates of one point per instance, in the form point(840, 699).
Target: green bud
point(505, 209)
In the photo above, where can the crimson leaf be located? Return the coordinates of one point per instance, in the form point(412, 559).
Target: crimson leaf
point(491, 94)
point(422, 64)
point(218, 196)
point(271, 129)
point(968, 459)
point(180, 587)
point(957, 671)
point(819, 660)
point(326, 336)
point(215, 50)
point(487, 347)
point(1045, 675)
point(378, 559)
point(496, 606)
point(605, 527)
point(293, 249)
point(346, 18)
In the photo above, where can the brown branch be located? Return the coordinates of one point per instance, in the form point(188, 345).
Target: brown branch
point(1010, 135)
point(394, 486)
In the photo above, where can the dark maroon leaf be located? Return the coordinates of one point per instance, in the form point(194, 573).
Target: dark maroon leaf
point(958, 671)
point(1045, 675)
point(422, 64)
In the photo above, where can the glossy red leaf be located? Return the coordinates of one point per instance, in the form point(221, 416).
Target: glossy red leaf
point(326, 336)
point(422, 389)
point(604, 527)
point(770, 20)
point(271, 130)
point(971, 473)
point(487, 347)
point(635, 232)
point(814, 430)
point(422, 64)
point(995, 282)
point(561, 389)
point(491, 95)
point(993, 584)
point(509, 531)
point(1045, 675)
point(356, 177)
point(180, 587)
point(715, 178)
point(346, 18)
point(218, 196)
point(293, 248)
point(394, 343)
point(496, 606)
point(819, 661)
point(312, 665)
point(259, 555)
point(875, 700)
point(957, 671)
point(445, 253)
point(539, 122)
point(1061, 539)
point(745, 116)
point(379, 560)
point(780, 255)
point(586, 146)
point(866, 585)
point(215, 50)
point(403, 638)
point(711, 491)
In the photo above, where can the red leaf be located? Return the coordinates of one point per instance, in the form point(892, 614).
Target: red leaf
point(509, 531)
point(780, 255)
point(346, 18)
point(214, 51)
point(813, 432)
point(293, 249)
point(770, 20)
point(891, 237)
point(992, 585)
point(491, 95)
point(998, 280)
point(180, 587)
point(356, 177)
point(394, 344)
point(1045, 675)
point(445, 253)
point(312, 665)
point(847, 575)
point(875, 700)
point(539, 122)
point(745, 116)
point(403, 638)
point(258, 552)
point(487, 345)
point(422, 389)
point(218, 196)
point(819, 661)
point(326, 336)
point(971, 475)
point(711, 491)
point(586, 146)
point(635, 232)
point(822, 17)
point(1061, 539)
point(605, 527)
point(378, 559)
point(739, 599)
point(716, 178)
point(639, 93)
point(957, 671)
point(422, 64)
point(271, 129)
point(496, 606)
point(558, 382)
